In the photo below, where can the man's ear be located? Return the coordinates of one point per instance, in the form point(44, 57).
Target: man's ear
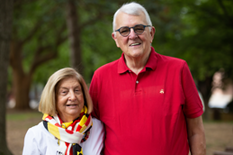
point(114, 37)
point(152, 33)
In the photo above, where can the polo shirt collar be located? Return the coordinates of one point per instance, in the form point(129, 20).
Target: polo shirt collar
point(151, 63)
point(122, 67)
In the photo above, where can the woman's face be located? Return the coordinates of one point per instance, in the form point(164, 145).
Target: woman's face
point(69, 99)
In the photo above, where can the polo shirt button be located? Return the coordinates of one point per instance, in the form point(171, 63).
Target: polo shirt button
point(137, 82)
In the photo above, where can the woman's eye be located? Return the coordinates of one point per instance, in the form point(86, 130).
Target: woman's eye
point(64, 92)
point(77, 90)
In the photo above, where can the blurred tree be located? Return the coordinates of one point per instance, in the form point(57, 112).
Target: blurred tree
point(6, 10)
point(72, 19)
point(78, 19)
point(41, 35)
point(34, 43)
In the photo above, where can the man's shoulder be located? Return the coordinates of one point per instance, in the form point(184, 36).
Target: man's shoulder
point(170, 60)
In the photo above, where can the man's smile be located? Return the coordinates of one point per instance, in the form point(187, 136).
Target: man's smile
point(135, 44)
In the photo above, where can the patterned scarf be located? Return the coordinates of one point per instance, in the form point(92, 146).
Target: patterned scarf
point(69, 135)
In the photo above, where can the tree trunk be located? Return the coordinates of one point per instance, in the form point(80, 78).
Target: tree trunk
point(21, 80)
point(74, 36)
point(205, 89)
point(21, 90)
point(6, 9)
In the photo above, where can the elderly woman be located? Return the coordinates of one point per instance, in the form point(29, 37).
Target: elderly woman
point(67, 127)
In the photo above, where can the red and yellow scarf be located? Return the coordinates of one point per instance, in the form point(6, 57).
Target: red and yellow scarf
point(70, 135)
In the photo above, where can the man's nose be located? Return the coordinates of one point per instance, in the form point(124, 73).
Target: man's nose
point(132, 33)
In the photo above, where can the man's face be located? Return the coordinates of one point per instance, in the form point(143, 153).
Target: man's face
point(133, 46)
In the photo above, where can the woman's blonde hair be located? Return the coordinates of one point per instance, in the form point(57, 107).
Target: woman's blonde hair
point(47, 103)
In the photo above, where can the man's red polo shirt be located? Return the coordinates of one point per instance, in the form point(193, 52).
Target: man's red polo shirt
point(145, 113)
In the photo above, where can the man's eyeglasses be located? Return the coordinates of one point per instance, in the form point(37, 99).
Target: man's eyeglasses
point(138, 29)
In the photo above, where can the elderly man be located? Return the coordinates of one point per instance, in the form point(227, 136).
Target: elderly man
point(148, 102)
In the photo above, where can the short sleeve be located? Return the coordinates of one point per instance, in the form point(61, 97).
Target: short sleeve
point(193, 106)
point(94, 89)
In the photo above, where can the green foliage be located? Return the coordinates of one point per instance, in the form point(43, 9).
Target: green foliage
point(98, 48)
point(201, 32)
point(37, 25)
point(42, 20)
point(212, 40)
point(198, 31)
point(46, 70)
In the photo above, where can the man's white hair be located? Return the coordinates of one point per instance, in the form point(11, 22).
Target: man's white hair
point(132, 8)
